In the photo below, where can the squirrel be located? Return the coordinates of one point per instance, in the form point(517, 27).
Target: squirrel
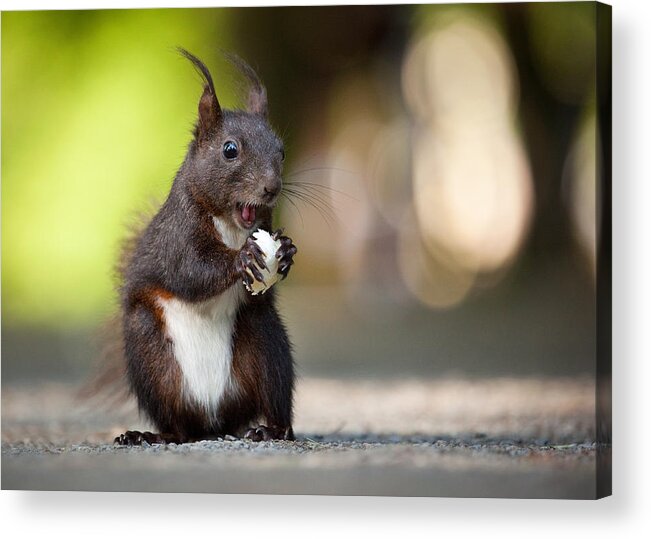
point(204, 358)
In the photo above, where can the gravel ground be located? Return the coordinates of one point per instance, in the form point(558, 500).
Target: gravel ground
point(491, 437)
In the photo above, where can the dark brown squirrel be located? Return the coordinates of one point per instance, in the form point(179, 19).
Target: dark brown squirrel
point(204, 357)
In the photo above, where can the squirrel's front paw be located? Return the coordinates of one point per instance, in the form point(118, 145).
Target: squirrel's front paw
point(285, 253)
point(249, 262)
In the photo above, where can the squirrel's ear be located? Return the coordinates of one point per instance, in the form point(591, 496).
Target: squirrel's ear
point(210, 113)
point(257, 98)
point(257, 102)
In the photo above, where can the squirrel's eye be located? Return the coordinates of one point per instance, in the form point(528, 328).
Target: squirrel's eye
point(230, 149)
point(282, 154)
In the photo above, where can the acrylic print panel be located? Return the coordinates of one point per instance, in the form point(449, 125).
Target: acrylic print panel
point(441, 178)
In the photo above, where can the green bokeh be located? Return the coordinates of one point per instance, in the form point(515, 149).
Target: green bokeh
point(96, 114)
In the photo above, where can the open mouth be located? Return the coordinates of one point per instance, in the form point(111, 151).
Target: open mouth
point(246, 214)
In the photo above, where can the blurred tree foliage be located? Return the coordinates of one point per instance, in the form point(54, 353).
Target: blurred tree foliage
point(96, 113)
point(97, 108)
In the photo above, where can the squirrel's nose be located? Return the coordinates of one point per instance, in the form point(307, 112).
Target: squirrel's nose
point(271, 189)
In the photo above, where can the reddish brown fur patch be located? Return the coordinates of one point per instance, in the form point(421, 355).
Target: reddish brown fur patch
point(162, 293)
point(149, 297)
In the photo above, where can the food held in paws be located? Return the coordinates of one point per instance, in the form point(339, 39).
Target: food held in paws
point(269, 246)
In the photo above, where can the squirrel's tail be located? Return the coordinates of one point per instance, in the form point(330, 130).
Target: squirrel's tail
point(107, 386)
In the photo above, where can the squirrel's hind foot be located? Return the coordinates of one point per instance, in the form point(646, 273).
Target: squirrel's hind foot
point(135, 437)
point(264, 433)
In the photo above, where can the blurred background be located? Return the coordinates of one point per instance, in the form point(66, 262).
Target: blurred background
point(446, 157)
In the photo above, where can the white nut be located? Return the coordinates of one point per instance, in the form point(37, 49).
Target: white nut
point(269, 247)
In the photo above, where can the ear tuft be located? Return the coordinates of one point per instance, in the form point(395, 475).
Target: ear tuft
point(257, 98)
point(210, 113)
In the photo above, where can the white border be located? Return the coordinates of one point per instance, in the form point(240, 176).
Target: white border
point(626, 514)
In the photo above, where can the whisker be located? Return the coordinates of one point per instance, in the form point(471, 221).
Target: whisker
point(316, 196)
point(318, 169)
point(326, 213)
point(288, 199)
point(311, 185)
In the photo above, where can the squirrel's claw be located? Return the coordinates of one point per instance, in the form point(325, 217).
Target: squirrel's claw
point(285, 255)
point(249, 261)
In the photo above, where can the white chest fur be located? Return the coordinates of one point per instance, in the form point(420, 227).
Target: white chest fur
point(231, 236)
point(202, 339)
point(202, 335)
